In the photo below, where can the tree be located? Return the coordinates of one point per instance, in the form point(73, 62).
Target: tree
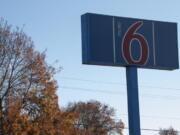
point(169, 131)
point(28, 100)
point(94, 118)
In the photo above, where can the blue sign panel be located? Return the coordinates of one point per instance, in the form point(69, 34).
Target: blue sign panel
point(119, 41)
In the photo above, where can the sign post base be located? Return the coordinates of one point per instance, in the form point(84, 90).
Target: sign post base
point(133, 100)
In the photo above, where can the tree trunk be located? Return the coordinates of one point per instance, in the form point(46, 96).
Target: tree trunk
point(1, 118)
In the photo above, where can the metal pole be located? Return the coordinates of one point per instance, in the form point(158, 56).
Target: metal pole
point(133, 101)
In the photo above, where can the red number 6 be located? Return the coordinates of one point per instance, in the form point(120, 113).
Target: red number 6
point(129, 36)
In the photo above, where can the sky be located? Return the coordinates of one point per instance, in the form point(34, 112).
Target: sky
point(55, 26)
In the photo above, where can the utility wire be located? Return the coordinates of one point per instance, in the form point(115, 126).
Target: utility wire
point(167, 97)
point(91, 90)
point(151, 130)
point(127, 128)
point(108, 92)
point(150, 116)
point(118, 83)
point(92, 81)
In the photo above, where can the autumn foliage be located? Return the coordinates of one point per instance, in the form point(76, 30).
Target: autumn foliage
point(94, 118)
point(28, 100)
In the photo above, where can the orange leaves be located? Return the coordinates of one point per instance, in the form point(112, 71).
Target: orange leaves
point(28, 100)
point(93, 118)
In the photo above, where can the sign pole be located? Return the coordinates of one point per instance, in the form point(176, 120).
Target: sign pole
point(109, 41)
point(133, 100)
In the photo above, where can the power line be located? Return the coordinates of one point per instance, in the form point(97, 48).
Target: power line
point(151, 130)
point(92, 81)
point(118, 83)
point(167, 97)
point(127, 128)
point(150, 116)
point(91, 90)
point(112, 92)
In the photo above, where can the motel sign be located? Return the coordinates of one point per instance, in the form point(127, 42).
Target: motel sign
point(131, 43)
point(119, 41)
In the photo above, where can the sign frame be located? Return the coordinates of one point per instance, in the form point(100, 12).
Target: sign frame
point(93, 36)
point(160, 36)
